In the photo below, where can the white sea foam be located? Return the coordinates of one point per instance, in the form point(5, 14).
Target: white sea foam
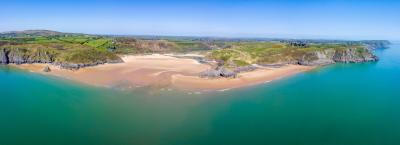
point(223, 90)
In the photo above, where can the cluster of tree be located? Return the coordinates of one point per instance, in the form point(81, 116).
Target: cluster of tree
point(296, 43)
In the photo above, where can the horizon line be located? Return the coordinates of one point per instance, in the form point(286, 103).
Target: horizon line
point(294, 36)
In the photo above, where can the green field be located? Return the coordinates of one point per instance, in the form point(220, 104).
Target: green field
point(90, 49)
point(245, 53)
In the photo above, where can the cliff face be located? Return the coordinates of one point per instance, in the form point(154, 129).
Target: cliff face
point(21, 56)
point(376, 44)
point(301, 56)
point(330, 56)
point(3, 56)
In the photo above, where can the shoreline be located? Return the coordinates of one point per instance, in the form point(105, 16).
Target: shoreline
point(246, 79)
point(161, 71)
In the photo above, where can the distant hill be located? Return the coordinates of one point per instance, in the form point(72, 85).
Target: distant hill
point(31, 33)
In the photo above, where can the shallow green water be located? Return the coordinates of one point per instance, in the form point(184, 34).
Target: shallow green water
point(344, 104)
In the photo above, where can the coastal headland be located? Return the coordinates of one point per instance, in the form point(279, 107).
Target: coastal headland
point(187, 63)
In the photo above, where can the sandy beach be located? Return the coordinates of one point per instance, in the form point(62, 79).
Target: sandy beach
point(163, 71)
point(259, 76)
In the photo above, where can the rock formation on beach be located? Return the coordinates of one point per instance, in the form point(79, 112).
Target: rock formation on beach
point(218, 72)
point(46, 69)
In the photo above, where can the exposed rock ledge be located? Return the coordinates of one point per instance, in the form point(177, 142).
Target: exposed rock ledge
point(75, 66)
point(330, 56)
point(20, 57)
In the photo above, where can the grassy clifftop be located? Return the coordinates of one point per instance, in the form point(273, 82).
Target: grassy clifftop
point(79, 50)
point(82, 50)
point(61, 49)
point(245, 53)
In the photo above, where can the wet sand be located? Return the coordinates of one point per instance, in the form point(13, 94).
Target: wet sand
point(163, 71)
point(259, 76)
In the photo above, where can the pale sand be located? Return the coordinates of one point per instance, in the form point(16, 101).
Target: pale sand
point(259, 76)
point(163, 71)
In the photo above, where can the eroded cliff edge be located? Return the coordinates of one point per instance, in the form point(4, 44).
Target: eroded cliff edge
point(31, 55)
point(330, 56)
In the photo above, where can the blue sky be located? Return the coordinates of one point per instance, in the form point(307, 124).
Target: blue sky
point(332, 19)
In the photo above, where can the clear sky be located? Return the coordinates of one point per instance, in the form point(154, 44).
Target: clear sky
point(332, 19)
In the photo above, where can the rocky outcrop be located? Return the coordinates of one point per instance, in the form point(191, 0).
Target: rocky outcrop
point(302, 43)
point(76, 66)
point(210, 73)
point(22, 56)
point(218, 72)
point(46, 69)
point(330, 56)
point(354, 56)
point(317, 58)
point(245, 69)
point(3, 56)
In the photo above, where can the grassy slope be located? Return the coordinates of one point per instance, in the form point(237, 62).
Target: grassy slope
point(245, 53)
point(69, 49)
point(87, 48)
point(137, 46)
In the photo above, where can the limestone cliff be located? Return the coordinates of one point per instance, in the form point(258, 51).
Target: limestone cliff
point(311, 58)
point(22, 55)
point(330, 56)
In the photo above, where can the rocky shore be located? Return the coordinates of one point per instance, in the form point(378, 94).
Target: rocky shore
point(331, 56)
point(22, 56)
point(19, 56)
point(76, 66)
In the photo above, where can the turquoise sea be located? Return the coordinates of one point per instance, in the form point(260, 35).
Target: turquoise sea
point(342, 104)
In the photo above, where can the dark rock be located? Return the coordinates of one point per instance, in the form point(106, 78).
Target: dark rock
point(210, 73)
point(218, 72)
point(245, 69)
point(317, 58)
point(23, 55)
point(17, 56)
point(76, 66)
point(3, 56)
point(46, 69)
point(115, 61)
point(276, 65)
point(353, 56)
point(330, 56)
point(227, 73)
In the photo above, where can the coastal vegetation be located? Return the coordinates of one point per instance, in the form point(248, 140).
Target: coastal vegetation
point(245, 53)
point(58, 49)
point(73, 51)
